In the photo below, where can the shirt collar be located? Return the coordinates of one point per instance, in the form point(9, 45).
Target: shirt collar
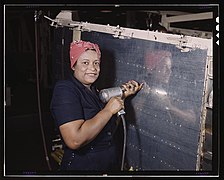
point(77, 82)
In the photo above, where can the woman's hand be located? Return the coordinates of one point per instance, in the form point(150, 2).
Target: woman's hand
point(131, 87)
point(114, 105)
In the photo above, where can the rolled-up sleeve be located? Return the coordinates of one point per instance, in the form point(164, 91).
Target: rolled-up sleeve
point(66, 104)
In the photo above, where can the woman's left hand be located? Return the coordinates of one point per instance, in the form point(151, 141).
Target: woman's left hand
point(131, 87)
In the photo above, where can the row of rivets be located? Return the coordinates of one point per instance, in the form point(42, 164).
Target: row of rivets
point(144, 67)
point(154, 157)
point(155, 115)
point(154, 136)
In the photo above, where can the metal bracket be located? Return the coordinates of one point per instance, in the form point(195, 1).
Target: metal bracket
point(59, 22)
point(64, 21)
point(118, 32)
point(183, 44)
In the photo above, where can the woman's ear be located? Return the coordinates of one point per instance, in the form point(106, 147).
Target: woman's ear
point(73, 68)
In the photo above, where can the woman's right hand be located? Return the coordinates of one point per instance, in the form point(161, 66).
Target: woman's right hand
point(115, 104)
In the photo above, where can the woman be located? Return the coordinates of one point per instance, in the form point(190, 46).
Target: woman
point(86, 124)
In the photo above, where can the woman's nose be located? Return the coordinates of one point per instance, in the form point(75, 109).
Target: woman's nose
point(92, 66)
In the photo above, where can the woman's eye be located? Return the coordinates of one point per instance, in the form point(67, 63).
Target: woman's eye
point(97, 63)
point(86, 63)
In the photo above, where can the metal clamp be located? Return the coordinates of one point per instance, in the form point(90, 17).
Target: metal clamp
point(121, 112)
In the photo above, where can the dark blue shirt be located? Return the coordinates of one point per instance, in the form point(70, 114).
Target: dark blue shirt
point(72, 101)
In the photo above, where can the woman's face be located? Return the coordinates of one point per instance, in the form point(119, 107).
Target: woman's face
point(87, 67)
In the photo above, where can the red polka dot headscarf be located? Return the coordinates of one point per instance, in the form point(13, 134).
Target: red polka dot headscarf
point(78, 47)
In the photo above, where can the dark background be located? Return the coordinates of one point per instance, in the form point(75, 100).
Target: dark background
point(24, 147)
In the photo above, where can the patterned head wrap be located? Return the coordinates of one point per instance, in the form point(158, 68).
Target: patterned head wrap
point(78, 47)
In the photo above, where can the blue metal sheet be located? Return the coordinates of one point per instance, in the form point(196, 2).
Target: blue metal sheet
point(163, 119)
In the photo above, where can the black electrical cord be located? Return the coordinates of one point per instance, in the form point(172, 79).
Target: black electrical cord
point(125, 140)
point(36, 17)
